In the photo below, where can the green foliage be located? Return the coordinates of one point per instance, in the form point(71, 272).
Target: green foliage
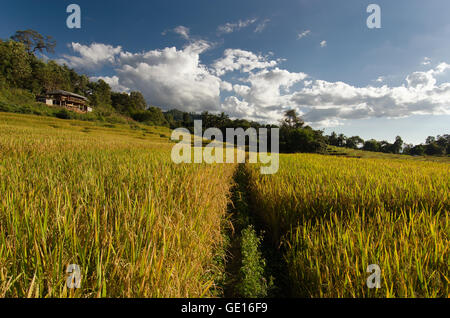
point(372, 145)
point(252, 283)
point(306, 139)
point(101, 93)
point(15, 65)
point(152, 116)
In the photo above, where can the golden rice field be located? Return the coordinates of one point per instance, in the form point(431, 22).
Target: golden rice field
point(111, 201)
point(335, 216)
point(109, 198)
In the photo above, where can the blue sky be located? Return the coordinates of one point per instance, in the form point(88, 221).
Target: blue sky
point(257, 58)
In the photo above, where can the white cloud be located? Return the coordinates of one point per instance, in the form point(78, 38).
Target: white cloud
point(172, 78)
point(265, 96)
point(90, 56)
point(426, 61)
point(113, 81)
point(236, 26)
point(261, 26)
point(240, 60)
point(323, 43)
point(303, 34)
point(322, 103)
point(324, 100)
point(269, 87)
point(183, 31)
point(226, 86)
point(441, 68)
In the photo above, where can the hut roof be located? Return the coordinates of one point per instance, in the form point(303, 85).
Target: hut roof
point(64, 93)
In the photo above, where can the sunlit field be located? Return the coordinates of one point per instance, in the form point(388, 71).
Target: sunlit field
point(334, 216)
point(110, 200)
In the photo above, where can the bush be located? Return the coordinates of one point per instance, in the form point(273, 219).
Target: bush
point(63, 114)
point(252, 283)
point(301, 140)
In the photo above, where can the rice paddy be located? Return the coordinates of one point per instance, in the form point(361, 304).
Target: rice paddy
point(335, 216)
point(109, 199)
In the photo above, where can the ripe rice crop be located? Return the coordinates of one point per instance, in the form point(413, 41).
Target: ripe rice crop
point(108, 198)
point(334, 216)
point(111, 201)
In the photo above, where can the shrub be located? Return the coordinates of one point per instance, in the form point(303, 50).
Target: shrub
point(252, 283)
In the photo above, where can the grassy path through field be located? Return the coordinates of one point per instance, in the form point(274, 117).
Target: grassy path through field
point(255, 266)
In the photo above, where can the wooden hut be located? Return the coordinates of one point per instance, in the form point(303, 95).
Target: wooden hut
point(65, 99)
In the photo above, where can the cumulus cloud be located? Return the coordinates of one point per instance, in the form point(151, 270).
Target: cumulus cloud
point(267, 93)
point(324, 100)
point(235, 26)
point(172, 78)
point(112, 81)
point(270, 87)
point(90, 56)
point(301, 35)
point(264, 95)
point(240, 60)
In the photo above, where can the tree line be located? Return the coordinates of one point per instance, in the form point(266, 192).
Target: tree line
point(295, 136)
point(433, 146)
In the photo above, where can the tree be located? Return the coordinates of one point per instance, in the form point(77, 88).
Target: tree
point(418, 150)
point(354, 142)
point(407, 149)
point(300, 140)
point(100, 93)
point(34, 41)
point(430, 140)
point(138, 101)
point(152, 116)
point(397, 145)
point(341, 139)
point(444, 143)
point(291, 120)
point(187, 121)
point(14, 63)
point(372, 145)
point(333, 139)
point(433, 149)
